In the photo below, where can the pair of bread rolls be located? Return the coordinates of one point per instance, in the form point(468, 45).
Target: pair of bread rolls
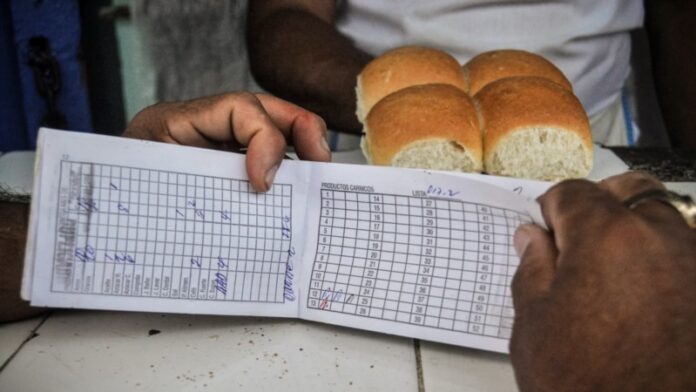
point(417, 110)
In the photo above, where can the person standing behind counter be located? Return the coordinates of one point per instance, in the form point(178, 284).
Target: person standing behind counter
point(310, 52)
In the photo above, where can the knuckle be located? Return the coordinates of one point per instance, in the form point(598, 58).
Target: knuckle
point(243, 96)
point(567, 189)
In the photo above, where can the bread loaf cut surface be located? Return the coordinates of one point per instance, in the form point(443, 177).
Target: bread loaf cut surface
point(498, 64)
point(404, 67)
point(534, 128)
point(432, 126)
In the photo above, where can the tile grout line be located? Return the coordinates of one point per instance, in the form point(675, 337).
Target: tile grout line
point(31, 336)
point(419, 365)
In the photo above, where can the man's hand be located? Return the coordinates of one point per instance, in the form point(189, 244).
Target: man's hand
point(261, 122)
point(606, 300)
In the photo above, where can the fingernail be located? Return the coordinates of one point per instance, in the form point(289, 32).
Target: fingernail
point(270, 176)
point(325, 145)
point(521, 239)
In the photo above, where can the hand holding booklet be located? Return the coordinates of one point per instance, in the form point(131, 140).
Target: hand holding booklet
point(126, 224)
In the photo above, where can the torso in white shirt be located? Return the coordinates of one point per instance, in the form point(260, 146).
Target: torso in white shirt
point(587, 39)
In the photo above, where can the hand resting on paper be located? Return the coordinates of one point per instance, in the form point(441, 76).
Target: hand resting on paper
point(263, 123)
point(606, 299)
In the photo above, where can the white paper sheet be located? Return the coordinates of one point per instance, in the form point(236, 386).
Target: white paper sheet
point(134, 225)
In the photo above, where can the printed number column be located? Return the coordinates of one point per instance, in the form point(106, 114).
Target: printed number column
point(483, 275)
point(323, 248)
point(372, 284)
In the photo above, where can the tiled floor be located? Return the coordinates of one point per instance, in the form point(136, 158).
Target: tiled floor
point(112, 351)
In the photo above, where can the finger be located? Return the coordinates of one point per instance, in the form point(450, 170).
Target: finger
point(576, 211)
point(304, 129)
point(537, 268)
point(629, 184)
point(625, 185)
point(253, 127)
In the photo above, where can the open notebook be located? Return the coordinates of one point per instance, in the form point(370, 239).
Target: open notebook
point(126, 224)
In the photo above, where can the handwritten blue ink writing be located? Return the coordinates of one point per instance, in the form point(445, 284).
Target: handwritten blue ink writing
point(225, 215)
point(221, 262)
point(331, 295)
point(87, 204)
point(123, 208)
point(288, 291)
point(328, 296)
point(180, 213)
point(120, 257)
point(221, 283)
point(85, 254)
point(199, 212)
point(196, 262)
point(285, 227)
point(113, 186)
point(437, 191)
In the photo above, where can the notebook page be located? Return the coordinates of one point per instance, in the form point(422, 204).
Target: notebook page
point(413, 253)
point(133, 225)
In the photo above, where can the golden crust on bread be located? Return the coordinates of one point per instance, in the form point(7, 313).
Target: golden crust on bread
point(421, 113)
point(498, 64)
point(404, 67)
point(511, 103)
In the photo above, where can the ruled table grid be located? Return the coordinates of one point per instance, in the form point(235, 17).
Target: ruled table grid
point(437, 263)
point(135, 232)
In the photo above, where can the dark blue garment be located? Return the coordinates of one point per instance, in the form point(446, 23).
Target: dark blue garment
point(57, 23)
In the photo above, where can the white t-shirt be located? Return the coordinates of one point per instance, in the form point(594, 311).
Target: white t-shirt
point(587, 39)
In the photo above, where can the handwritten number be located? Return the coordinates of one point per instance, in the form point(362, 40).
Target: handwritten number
point(437, 191)
point(285, 228)
point(120, 257)
point(221, 283)
point(288, 291)
point(87, 204)
point(85, 254)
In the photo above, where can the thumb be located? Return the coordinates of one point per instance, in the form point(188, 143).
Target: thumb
point(537, 268)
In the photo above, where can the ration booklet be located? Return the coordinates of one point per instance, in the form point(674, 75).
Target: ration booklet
point(135, 225)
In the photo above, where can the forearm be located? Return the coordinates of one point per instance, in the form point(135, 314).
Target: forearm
point(669, 24)
point(304, 59)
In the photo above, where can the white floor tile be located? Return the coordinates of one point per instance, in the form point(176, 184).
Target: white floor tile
point(109, 351)
point(450, 368)
point(13, 334)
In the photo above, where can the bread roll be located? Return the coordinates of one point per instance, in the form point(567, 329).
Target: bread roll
point(404, 67)
point(490, 66)
point(432, 126)
point(534, 128)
